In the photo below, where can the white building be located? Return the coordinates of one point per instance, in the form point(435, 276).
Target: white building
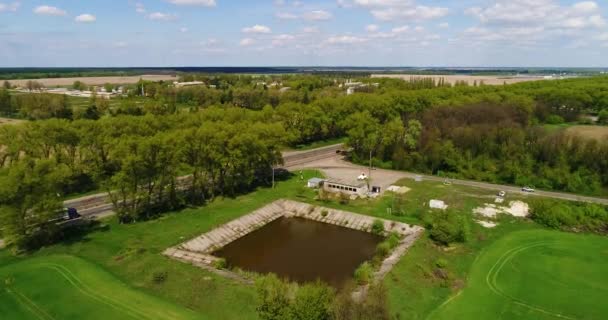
point(358, 188)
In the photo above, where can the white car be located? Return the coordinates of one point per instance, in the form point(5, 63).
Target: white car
point(502, 194)
point(527, 189)
point(362, 177)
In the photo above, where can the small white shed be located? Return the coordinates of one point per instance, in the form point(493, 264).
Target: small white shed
point(315, 182)
point(438, 204)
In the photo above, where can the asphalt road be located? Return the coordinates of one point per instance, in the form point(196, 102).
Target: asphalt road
point(336, 168)
point(327, 160)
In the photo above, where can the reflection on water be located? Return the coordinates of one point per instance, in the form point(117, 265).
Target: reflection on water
point(302, 250)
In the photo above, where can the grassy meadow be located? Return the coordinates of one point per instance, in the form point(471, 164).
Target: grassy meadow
point(117, 271)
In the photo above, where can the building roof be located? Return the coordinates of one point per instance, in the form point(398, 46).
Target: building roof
point(349, 183)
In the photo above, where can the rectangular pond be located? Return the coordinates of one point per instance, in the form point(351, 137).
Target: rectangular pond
point(302, 250)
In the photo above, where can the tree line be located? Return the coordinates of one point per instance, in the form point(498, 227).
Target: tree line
point(137, 159)
point(483, 133)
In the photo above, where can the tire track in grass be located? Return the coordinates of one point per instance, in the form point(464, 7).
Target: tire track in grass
point(132, 312)
point(141, 313)
point(30, 305)
point(492, 276)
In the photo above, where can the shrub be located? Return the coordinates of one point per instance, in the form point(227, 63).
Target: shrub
point(159, 277)
point(220, 263)
point(570, 216)
point(393, 239)
point(555, 119)
point(383, 249)
point(312, 302)
point(603, 117)
point(441, 263)
point(324, 213)
point(273, 298)
point(377, 227)
point(364, 273)
point(344, 198)
point(446, 227)
point(375, 306)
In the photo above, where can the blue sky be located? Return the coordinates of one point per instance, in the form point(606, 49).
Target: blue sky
point(122, 33)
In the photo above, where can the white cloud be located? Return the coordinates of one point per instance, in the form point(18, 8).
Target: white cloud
point(388, 10)
point(317, 15)
point(285, 16)
point(345, 39)
point(444, 25)
point(202, 3)
point(401, 29)
point(257, 29)
point(183, 30)
point(372, 28)
point(160, 16)
point(310, 30)
point(282, 40)
point(85, 18)
point(140, 8)
point(548, 13)
point(246, 42)
point(11, 7)
point(120, 44)
point(49, 11)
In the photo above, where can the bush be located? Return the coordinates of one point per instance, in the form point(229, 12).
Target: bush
point(159, 277)
point(447, 227)
point(220, 263)
point(364, 273)
point(375, 306)
point(570, 216)
point(441, 263)
point(273, 298)
point(603, 117)
point(324, 213)
point(377, 227)
point(383, 249)
point(344, 198)
point(555, 119)
point(312, 302)
point(280, 300)
point(393, 239)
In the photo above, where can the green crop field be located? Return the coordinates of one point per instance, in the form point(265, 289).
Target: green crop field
point(535, 275)
point(66, 287)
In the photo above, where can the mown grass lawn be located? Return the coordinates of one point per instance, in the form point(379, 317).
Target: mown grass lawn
point(128, 258)
point(535, 274)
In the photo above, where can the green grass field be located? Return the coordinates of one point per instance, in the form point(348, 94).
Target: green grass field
point(72, 280)
point(66, 287)
point(535, 275)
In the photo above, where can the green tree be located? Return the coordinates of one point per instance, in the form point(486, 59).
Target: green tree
point(30, 202)
point(273, 298)
point(312, 301)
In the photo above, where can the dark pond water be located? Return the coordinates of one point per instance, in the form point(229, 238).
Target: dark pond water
point(302, 250)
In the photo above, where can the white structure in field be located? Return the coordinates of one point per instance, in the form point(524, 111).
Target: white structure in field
point(188, 84)
point(438, 204)
point(315, 183)
point(358, 188)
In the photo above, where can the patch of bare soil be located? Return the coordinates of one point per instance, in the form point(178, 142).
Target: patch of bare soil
point(4, 121)
point(599, 133)
point(452, 79)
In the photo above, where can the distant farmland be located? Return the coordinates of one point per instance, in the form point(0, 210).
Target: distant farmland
point(94, 81)
point(452, 79)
